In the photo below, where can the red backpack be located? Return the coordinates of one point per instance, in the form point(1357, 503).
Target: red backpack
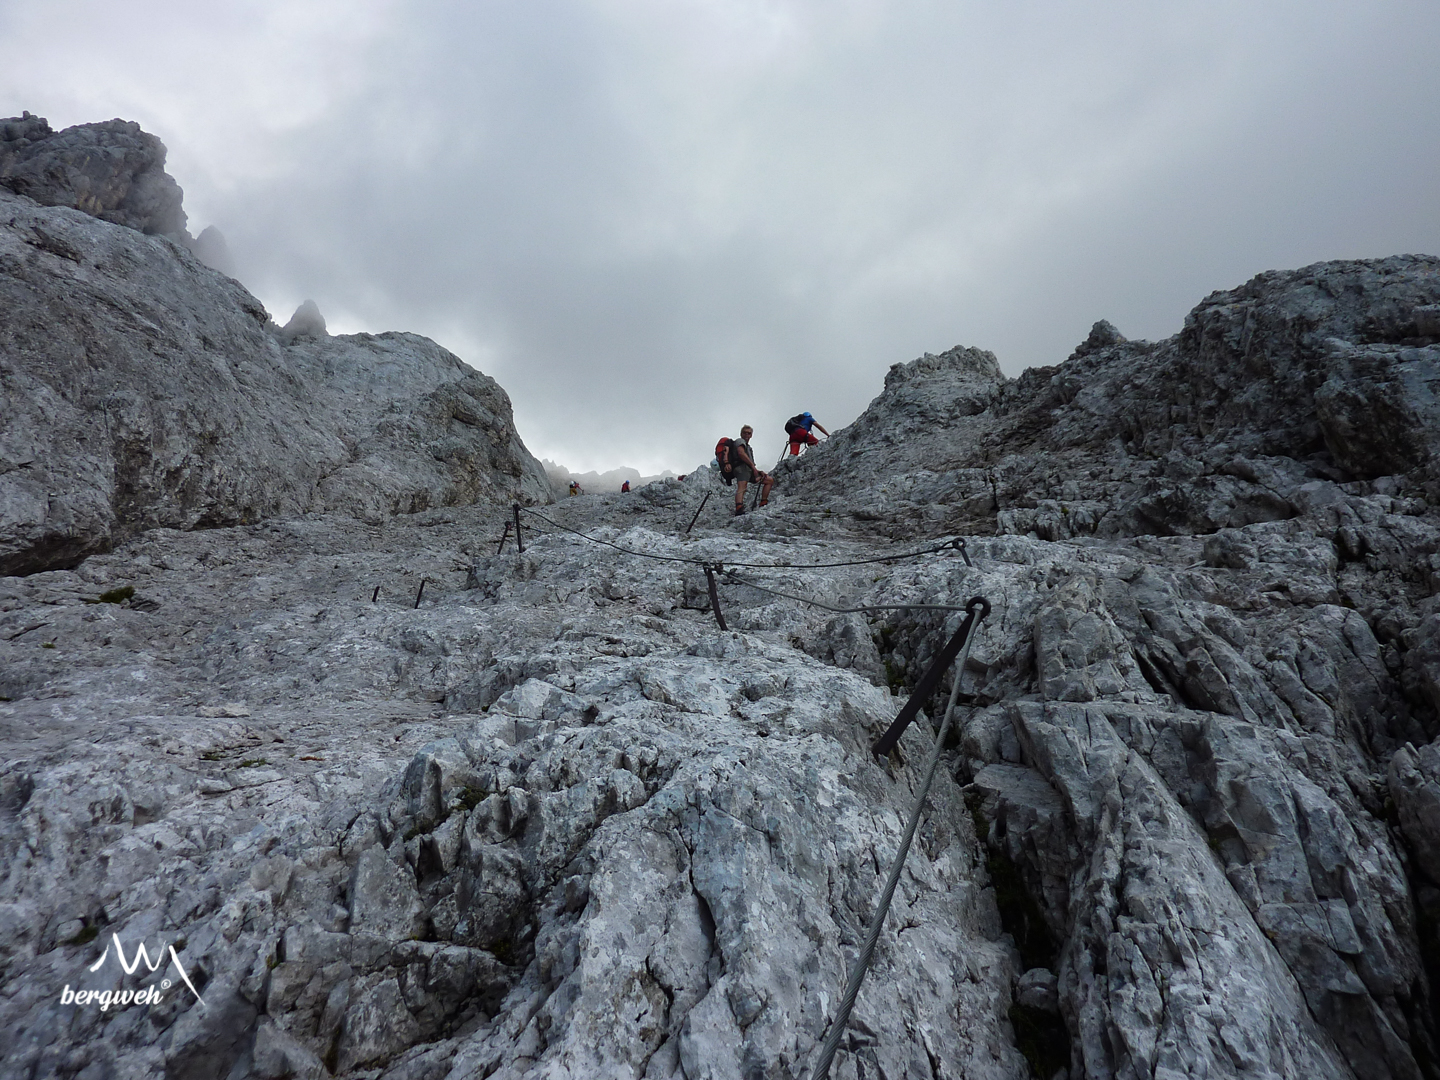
point(722, 455)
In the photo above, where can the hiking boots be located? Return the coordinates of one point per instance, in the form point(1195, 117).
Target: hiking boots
point(739, 509)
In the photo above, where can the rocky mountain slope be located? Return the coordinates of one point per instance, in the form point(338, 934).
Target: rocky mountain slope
point(642, 844)
point(1240, 649)
point(142, 389)
point(1325, 373)
point(406, 807)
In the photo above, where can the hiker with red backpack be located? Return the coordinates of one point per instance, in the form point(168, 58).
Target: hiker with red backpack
point(743, 469)
point(797, 429)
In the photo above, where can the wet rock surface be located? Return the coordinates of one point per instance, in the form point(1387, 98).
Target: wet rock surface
point(544, 818)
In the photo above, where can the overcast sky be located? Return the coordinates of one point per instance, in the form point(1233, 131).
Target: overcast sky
point(655, 220)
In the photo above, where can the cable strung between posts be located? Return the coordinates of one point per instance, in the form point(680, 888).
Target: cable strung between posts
point(978, 607)
point(720, 567)
point(957, 544)
point(607, 543)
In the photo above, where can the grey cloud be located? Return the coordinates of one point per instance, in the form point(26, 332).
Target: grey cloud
point(657, 222)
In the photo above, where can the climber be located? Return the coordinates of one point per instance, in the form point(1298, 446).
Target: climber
point(574, 487)
point(742, 459)
point(798, 429)
point(625, 488)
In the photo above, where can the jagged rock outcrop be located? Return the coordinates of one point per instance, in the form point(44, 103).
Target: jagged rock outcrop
point(1261, 688)
point(1326, 373)
point(306, 322)
point(142, 390)
point(211, 248)
point(111, 170)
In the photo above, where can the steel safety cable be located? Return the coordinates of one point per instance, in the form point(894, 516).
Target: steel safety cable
point(724, 570)
point(955, 544)
point(609, 544)
point(978, 608)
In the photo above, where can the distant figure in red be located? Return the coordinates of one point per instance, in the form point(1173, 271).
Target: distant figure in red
point(798, 428)
point(625, 487)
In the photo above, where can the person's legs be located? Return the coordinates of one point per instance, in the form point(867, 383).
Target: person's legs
point(769, 482)
point(795, 444)
point(743, 475)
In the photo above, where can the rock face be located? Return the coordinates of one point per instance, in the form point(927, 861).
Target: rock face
point(1207, 730)
point(142, 390)
point(651, 855)
point(1326, 373)
point(212, 250)
point(111, 170)
point(407, 808)
point(306, 322)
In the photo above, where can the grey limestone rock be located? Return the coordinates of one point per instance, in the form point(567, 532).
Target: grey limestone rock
point(211, 249)
point(1319, 374)
point(306, 322)
point(1036, 989)
point(1102, 335)
point(142, 390)
point(653, 854)
point(1147, 948)
point(1415, 786)
point(111, 170)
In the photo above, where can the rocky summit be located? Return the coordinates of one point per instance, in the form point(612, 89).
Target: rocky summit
point(143, 389)
point(112, 170)
point(282, 695)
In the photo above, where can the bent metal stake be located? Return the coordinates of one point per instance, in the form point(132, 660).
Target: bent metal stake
point(977, 608)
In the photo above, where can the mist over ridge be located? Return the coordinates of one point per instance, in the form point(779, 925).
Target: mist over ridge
point(651, 227)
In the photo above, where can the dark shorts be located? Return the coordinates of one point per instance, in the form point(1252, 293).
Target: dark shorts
point(742, 472)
